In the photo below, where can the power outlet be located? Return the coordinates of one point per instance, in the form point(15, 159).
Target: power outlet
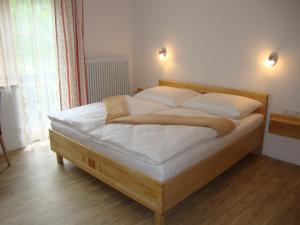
point(291, 112)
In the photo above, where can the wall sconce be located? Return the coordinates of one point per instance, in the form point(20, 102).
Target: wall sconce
point(271, 60)
point(163, 54)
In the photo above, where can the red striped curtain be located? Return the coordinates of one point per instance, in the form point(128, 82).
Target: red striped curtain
point(70, 52)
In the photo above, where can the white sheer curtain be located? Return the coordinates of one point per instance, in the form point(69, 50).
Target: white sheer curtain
point(8, 74)
point(33, 35)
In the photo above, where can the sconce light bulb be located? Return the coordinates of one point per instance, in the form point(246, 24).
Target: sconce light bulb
point(269, 63)
point(163, 54)
point(271, 60)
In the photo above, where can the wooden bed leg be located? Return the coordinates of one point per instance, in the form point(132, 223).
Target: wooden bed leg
point(258, 151)
point(159, 219)
point(60, 159)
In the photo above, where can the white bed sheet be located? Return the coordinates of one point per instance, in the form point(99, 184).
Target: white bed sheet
point(153, 143)
point(174, 165)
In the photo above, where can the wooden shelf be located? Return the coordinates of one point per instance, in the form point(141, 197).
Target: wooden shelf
point(288, 126)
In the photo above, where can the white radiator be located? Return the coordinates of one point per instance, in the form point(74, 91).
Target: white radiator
point(107, 76)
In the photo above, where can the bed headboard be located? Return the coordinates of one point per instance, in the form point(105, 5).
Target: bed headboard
point(261, 97)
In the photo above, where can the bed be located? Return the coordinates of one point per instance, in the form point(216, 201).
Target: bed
point(161, 186)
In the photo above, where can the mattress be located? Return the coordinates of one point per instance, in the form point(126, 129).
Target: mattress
point(153, 143)
point(173, 165)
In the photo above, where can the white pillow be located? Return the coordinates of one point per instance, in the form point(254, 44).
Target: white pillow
point(232, 106)
point(138, 106)
point(169, 96)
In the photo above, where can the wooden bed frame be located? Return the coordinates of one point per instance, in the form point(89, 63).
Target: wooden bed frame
point(161, 196)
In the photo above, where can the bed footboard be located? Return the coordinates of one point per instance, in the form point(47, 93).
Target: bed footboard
point(132, 183)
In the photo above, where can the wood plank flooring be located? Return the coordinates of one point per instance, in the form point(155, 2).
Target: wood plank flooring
point(37, 191)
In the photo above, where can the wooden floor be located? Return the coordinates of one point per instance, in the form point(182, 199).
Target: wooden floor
point(257, 191)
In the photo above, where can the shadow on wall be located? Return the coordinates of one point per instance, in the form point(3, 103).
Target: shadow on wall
point(10, 122)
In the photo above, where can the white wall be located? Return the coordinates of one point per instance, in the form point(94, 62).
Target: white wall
point(108, 28)
point(224, 43)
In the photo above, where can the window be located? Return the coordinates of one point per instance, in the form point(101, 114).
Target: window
point(35, 55)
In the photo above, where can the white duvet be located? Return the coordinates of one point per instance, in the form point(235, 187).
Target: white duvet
point(154, 144)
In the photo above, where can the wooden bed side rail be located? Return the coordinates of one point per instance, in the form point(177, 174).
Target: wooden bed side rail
point(130, 182)
point(186, 183)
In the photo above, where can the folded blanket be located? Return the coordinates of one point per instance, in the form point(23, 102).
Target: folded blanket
point(116, 107)
point(117, 112)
